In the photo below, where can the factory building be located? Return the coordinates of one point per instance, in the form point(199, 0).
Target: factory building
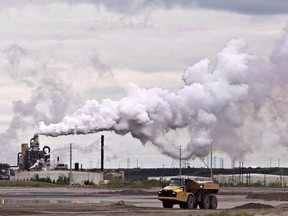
point(33, 161)
point(78, 177)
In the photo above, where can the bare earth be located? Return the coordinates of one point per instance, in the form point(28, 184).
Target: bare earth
point(91, 201)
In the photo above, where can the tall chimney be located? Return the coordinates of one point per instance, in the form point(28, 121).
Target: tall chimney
point(102, 153)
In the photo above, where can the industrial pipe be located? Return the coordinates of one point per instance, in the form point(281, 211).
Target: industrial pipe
point(46, 147)
point(18, 159)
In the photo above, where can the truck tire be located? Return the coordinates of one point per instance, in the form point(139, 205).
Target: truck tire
point(213, 202)
point(205, 202)
point(167, 204)
point(190, 202)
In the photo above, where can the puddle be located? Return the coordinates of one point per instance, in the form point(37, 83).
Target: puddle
point(103, 199)
point(46, 201)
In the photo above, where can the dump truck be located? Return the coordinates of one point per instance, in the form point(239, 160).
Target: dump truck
point(189, 194)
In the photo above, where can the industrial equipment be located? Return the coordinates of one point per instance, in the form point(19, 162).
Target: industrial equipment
point(4, 172)
point(32, 158)
point(189, 193)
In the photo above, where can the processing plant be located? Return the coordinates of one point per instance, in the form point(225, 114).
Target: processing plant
point(32, 158)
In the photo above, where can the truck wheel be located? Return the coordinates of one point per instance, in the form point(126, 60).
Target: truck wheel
point(205, 202)
point(213, 202)
point(167, 204)
point(190, 202)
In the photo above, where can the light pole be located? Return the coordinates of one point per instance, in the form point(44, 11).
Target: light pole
point(180, 160)
point(211, 170)
point(70, 174)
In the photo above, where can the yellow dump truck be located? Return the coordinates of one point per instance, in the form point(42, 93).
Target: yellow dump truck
point(189, 193)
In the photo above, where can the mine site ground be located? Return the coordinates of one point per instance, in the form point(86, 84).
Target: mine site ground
point(94, 201)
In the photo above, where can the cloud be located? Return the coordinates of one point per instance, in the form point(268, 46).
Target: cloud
point(132, 7)
point(90, 48)
point(49, 102)
point(256, 7)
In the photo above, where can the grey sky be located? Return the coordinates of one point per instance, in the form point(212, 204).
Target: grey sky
point(254, 7)
point(94, 49)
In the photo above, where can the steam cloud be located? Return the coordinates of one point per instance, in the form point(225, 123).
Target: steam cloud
point(215, 105)
point(26, 114)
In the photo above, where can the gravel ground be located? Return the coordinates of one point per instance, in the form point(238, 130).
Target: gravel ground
point(90, 201)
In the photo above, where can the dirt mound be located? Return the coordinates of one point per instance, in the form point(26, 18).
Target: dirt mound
point(137, 192)
point(121, 203)
point(254, 206)
point(130, 192)
point(269, 196)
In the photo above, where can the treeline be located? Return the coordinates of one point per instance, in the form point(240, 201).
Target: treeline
point(62, 180)
point(143, 174)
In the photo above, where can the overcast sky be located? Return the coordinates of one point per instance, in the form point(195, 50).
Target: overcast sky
point(55, 55)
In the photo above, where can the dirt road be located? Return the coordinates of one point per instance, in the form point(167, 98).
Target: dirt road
point(91, 201)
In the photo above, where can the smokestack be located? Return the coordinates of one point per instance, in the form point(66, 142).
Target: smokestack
point(76, 165)
point(102, 153)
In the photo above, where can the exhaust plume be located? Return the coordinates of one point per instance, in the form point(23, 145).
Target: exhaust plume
point(208, 102)
point(46, 92)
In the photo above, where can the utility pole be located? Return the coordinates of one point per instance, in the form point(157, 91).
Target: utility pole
point(128, 163)
point(211, 169)
point(180, 161)
point(270, 162)
point(242, 172)
point(70, 174)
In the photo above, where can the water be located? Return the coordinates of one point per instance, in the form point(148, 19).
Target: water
point(133, 200)
point(45, 201)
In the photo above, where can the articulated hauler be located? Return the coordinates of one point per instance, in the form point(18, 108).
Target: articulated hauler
point(189, 194)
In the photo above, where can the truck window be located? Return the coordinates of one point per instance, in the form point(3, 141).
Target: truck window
point(176, 182)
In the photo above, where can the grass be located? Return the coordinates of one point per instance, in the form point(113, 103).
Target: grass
point(132, 184)
point(111, 184)
point(4, 183)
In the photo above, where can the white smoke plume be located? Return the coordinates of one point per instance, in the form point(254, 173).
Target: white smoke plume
point(207, 99)
point(221, 106)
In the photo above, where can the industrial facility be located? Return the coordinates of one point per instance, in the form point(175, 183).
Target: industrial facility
point(34, 161)
point(32, 158)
